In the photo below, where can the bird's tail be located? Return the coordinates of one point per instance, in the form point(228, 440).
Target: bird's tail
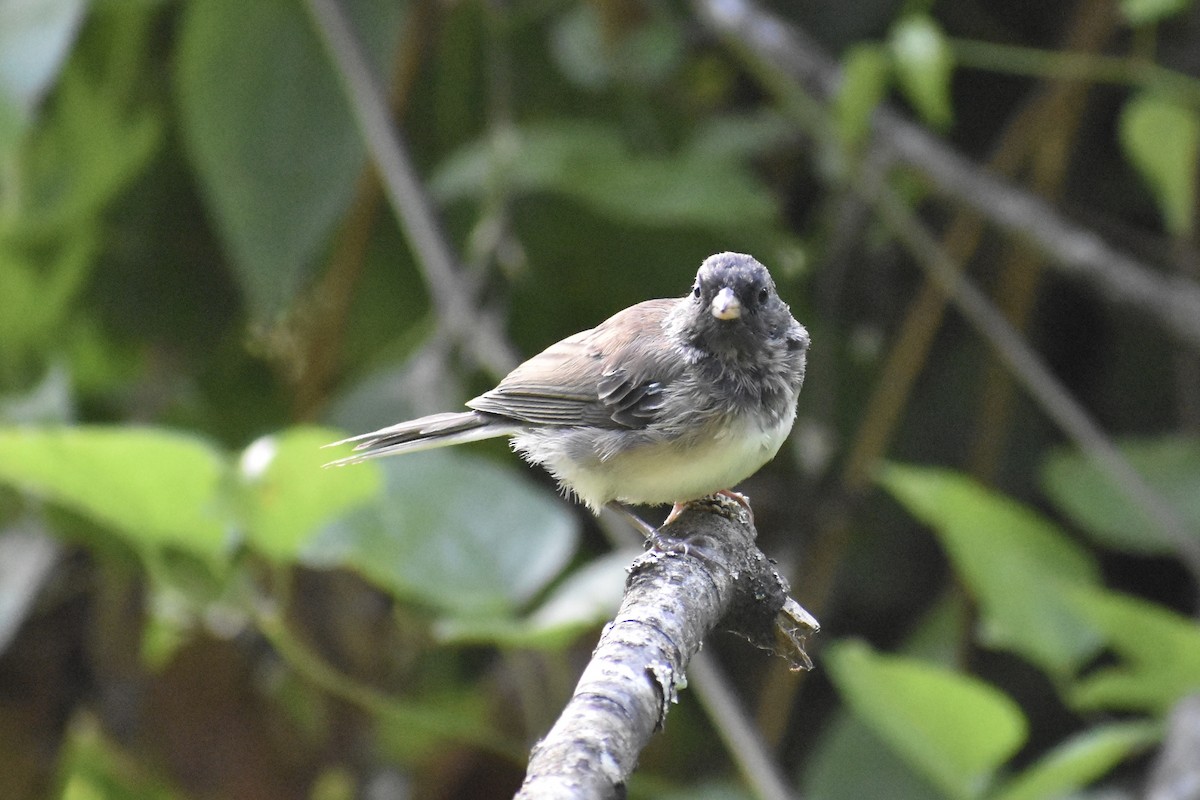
point(426, 433)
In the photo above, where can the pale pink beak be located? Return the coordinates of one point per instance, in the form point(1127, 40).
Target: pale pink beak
point(726, 305)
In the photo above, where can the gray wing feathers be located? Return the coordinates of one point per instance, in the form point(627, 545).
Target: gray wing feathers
point(426, 433)
point(613, 376)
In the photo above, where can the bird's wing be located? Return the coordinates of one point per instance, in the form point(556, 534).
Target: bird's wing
point(612, 376)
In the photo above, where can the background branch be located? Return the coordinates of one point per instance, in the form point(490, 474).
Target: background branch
point(454, 299)
point(1075, 250)
point(771, 45)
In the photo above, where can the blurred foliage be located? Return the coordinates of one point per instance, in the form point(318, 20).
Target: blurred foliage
point(201, 283)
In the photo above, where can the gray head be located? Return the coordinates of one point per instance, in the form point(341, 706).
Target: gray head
point(733, 307)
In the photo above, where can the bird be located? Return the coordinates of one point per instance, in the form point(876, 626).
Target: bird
point(666, 402)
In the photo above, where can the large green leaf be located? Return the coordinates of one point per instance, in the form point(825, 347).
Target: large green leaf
point(288, 497)
point(155, 487)
point(835, 771)
point(1014, 562)
point(1159, 653)
point(588, 596)
point(589, 162)
point(456, 532)
point(1162, 139)
point(952, 728)
point(1079, 761)
point(1170, 465)
point(270, 134)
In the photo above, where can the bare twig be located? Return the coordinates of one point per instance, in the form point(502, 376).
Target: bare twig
point(769, 41)
point(453, 298)
point(677, 592)
point(1053, 398)
point(736, 729)
point(1076, 251)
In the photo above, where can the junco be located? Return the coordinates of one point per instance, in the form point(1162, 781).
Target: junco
point(667, 401)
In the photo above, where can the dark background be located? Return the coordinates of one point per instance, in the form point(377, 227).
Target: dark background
point(195, 252)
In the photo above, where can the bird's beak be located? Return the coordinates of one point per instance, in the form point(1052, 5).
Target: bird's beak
point(726, 305)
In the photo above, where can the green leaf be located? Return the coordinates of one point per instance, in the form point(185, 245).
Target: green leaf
point(924, 67)
point(590, 164)
point(155, 487)
point(1162, 139)
point(1170, 465)
point(952, 728)
point(35, 38)
point(866, 73)
point(90, 147)
point(1142, 12)
point(289, 496)
point(835, 769)
point(1080, 760)
point(270, 134)
point(587, 597)
point(458, 533)
point(741, 136)
point(1159, 653)
point(1014, 562)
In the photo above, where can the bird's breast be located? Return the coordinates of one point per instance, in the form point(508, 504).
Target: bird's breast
point(673, 470)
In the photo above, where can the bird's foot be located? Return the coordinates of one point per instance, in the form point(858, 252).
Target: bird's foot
point(737, 497)
point(741, 499)
point(701, 546)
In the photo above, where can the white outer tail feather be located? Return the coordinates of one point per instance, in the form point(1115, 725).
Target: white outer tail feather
point(426, 433)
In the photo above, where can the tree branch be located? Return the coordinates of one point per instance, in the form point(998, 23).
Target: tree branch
point(1075, 251)
point(703, 570)
point(452, 297)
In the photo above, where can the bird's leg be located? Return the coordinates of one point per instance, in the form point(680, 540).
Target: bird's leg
point(639, 524)
point(676, 510)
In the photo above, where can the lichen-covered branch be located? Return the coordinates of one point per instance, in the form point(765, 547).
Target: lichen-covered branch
point(703, 570)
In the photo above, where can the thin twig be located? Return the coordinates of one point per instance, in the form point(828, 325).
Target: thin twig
point(761, 772)
point(452, 297)
point(414, 715)
point(1063, 103)
point(1074, 250)
point(770, 42)
point(1055, 401)
point(1074, 65)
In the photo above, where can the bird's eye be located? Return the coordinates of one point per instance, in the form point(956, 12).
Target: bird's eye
point(696, 291)
point(763, 295)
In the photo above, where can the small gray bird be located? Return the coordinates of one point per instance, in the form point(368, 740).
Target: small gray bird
point(665, 402)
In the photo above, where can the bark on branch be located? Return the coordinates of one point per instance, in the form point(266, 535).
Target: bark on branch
point(702, 570)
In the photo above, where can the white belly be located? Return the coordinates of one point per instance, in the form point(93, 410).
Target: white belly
point(655, 475)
